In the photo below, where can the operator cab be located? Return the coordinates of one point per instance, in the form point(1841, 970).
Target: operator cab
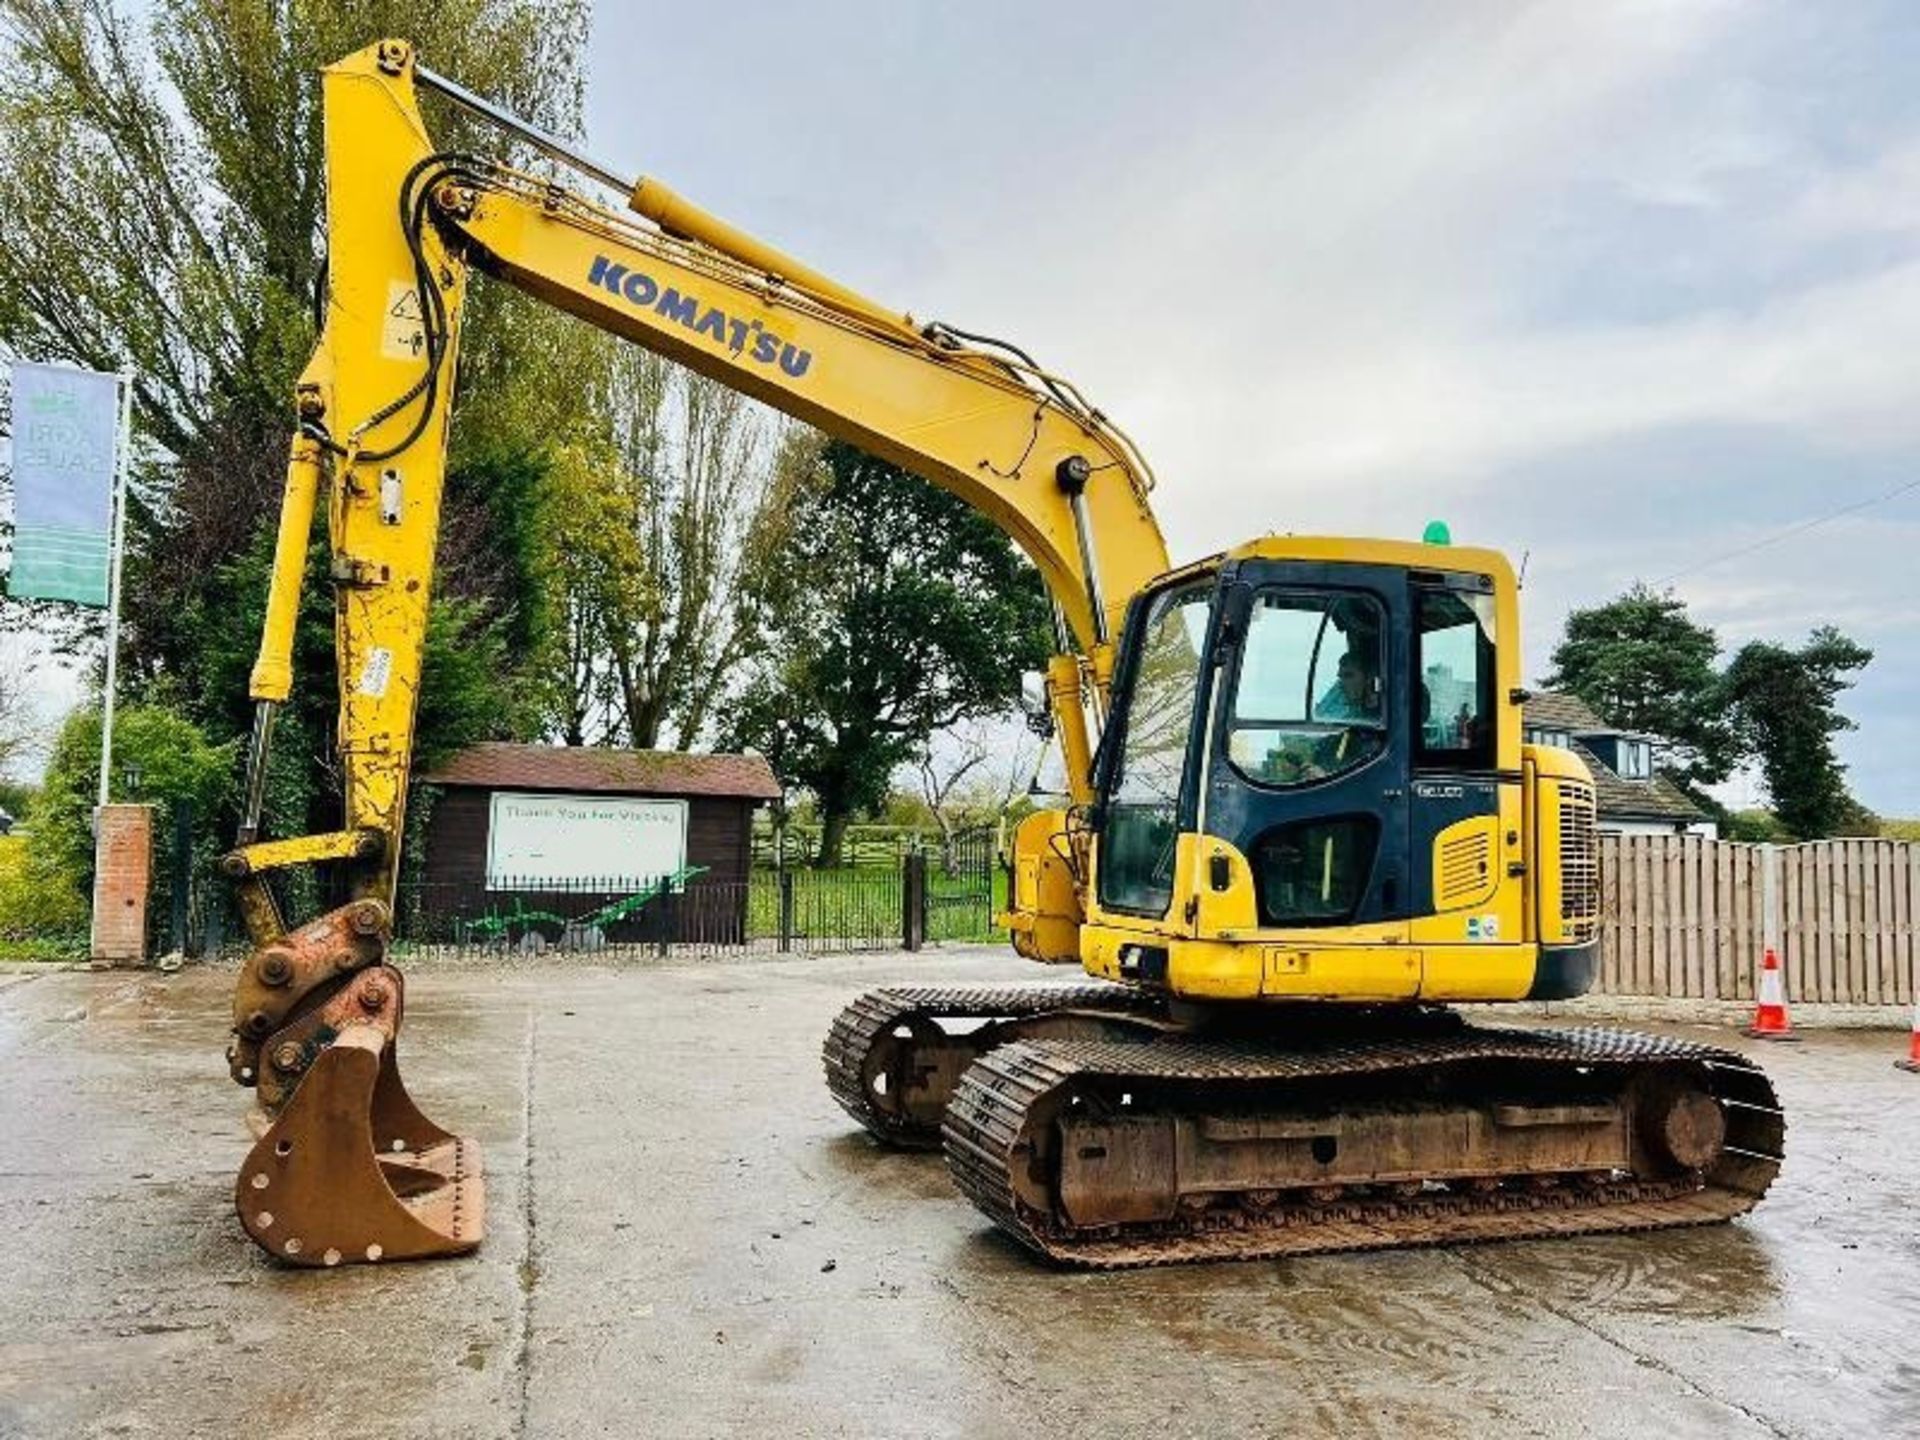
point(1325, 717)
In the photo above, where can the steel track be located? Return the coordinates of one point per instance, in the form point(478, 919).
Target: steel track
point(878, 1013)
point(990, 1129)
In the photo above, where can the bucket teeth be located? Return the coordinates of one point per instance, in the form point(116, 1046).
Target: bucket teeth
point(346, 1169)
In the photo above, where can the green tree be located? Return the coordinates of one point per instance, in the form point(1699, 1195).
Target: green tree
point(1786, 707)
point(1644, 664)
point(905, 612)
point(161, 183)
point(171, 757)
point(161, 196)
point(662, 534)
point(1754, 827)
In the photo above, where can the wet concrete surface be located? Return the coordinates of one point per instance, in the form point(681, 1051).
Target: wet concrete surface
point(688, 1238)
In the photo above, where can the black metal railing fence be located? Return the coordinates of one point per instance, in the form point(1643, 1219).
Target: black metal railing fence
point(938, 894)
point(787, 909)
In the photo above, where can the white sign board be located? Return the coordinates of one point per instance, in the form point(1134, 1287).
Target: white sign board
point(533, 839)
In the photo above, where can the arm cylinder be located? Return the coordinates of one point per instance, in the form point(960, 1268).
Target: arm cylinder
point(551, 146)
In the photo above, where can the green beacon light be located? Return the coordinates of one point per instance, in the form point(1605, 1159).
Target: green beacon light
point(1436, 533)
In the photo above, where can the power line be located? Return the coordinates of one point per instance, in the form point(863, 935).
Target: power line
point(1790, 532)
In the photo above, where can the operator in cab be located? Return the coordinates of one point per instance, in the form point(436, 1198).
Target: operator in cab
point(1355, 692)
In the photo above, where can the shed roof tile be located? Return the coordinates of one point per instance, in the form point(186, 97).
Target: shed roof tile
point(497, 765)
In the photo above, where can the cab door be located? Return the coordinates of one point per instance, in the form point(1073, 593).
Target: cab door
point(1310, 755)
point(1458, 850)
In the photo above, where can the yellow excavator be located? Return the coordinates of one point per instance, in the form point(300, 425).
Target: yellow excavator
point(1302, 822)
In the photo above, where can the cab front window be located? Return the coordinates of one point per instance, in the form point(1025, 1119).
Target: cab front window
point(1137, 840)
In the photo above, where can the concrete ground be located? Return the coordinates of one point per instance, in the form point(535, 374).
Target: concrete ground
point(688, 1238)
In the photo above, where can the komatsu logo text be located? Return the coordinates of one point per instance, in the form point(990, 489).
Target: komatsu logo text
point(744, 338)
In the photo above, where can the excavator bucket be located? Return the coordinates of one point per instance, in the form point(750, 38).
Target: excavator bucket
point(344, 1169)
point(352, 1172)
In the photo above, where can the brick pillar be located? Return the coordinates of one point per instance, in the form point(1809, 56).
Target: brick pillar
point(122, 877)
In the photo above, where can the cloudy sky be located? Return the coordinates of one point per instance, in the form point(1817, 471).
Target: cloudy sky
point(1620, 287)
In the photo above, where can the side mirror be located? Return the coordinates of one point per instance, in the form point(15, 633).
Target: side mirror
point(1033, 695)
point(1034, 704)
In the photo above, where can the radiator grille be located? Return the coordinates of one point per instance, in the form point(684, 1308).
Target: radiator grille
point(1465, 869)
point(1579, 862)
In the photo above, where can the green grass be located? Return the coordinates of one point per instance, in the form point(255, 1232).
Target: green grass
point(51, 951)
point(864, 903)
point(971, 917)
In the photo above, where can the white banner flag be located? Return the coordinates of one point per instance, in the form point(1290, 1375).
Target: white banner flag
point(66, 433)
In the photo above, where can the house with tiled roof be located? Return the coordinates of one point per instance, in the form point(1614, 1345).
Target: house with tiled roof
point(1631, 798)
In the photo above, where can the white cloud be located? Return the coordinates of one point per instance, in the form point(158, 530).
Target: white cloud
point(1627, 285)
point(1879, 196)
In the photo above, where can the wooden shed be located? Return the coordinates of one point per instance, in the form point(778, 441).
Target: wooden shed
point(542, 823)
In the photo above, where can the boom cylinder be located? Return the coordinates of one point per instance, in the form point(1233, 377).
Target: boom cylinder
point(272, 677)
point(678, 215)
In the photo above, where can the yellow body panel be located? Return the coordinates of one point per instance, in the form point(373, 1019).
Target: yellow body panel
point(1043, 909)
point(1562, 791)
point(1466, 863)
point(1479, 972)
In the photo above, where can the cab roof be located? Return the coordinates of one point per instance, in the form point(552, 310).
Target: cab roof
point(1355, 550)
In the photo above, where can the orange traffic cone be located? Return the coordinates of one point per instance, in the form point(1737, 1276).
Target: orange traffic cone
point(1912, 1062)
point(1770, 1020)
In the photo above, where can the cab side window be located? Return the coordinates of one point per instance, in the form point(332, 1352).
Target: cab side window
point(1454, 673)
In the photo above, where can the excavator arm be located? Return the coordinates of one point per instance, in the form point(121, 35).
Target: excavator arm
point(407, 224)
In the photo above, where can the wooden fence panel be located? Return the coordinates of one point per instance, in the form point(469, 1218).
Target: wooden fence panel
point(1871, 922)
point(1684, 917)
point(1753, 918)
point(1646, 875)
point(1796, 885)
point(1609, 905)
point(1620, 979)
point(1900, 924)
point(1692, 857)
point(1733, 921)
